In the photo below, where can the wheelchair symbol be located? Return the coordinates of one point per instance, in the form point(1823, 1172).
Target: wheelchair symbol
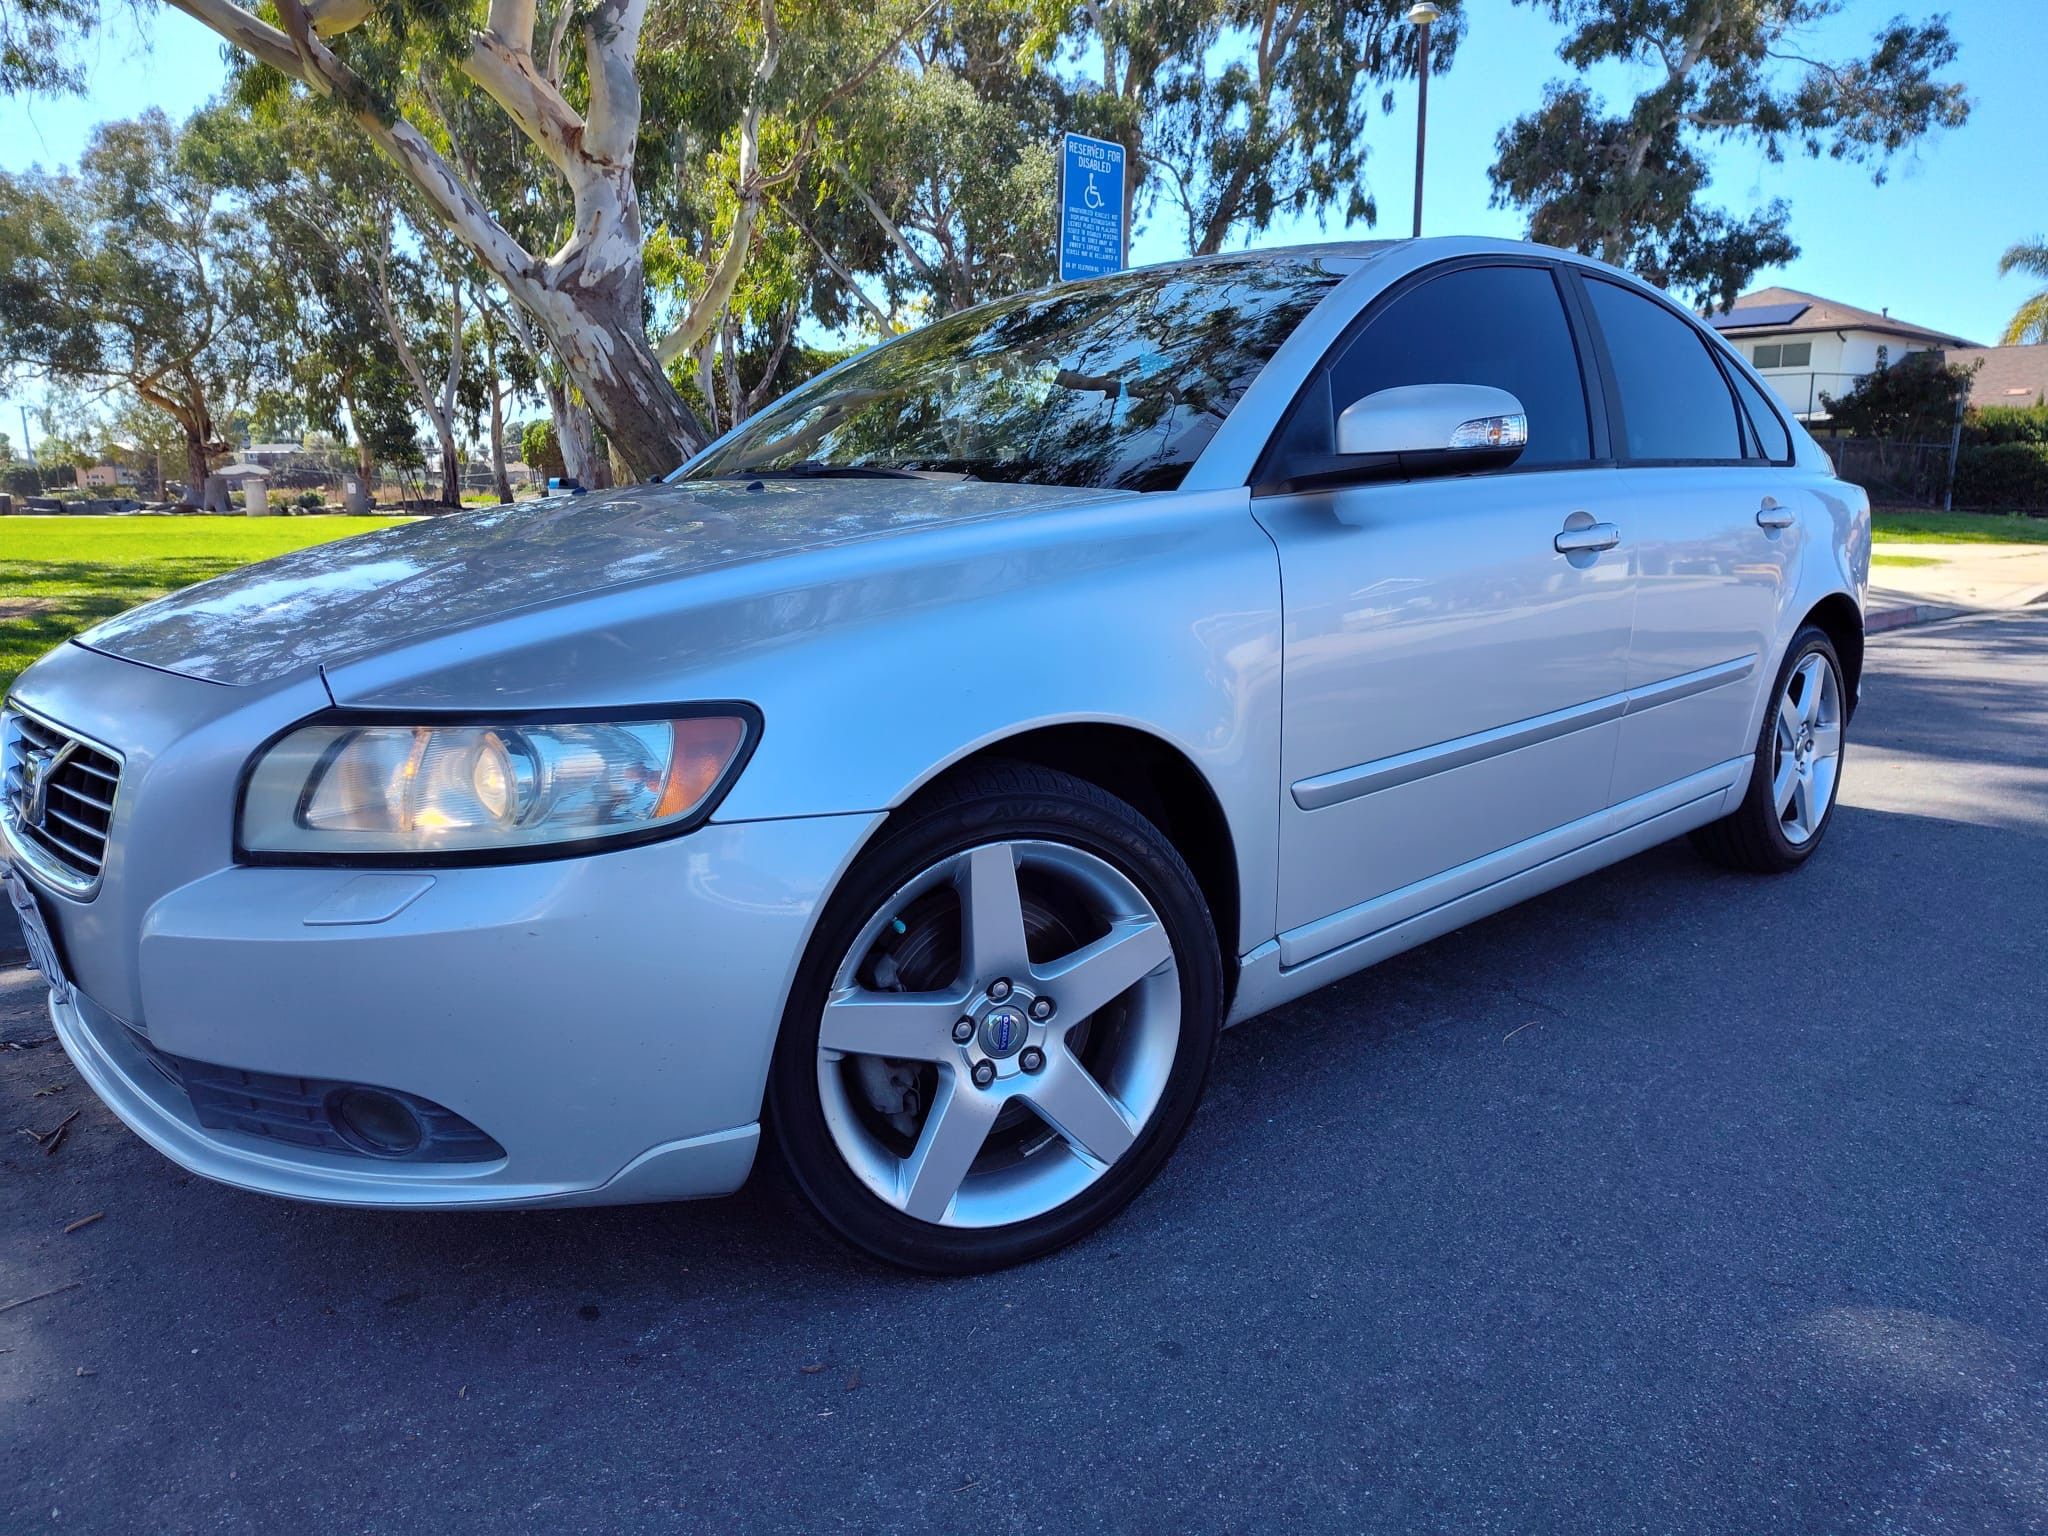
point(1091, 197)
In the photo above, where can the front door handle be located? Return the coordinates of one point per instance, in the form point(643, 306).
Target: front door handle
point(1771, 515)
point(1585, 537)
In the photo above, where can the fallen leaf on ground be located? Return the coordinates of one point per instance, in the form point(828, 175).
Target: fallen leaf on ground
point(812, 1370)
point(85, 1221)
point(84, 1372)
point(853, 1380)
point(44, 1093)
point(55, 1139)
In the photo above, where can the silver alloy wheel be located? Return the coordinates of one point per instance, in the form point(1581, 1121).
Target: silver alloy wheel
point(1807, 762)
point(1016, 1057)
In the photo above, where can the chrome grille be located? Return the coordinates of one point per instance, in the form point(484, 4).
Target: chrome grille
point(57, 794)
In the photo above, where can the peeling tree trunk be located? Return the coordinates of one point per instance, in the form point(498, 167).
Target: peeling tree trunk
point(586, 298)
point(501, 481)
point(573, 435)
point(195, 466)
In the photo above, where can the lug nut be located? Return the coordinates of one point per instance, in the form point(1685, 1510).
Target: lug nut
point(963, 1030)
point(984, 1073)
point(1041, 1008)
point(998, 990)
point(1033, 1059)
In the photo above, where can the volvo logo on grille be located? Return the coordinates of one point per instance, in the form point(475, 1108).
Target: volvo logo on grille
point(1002, 1032)
point(39, 765)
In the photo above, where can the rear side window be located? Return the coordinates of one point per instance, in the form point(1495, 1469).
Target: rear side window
point(1674, 403)
point(1772, 439)
point(1501, 326)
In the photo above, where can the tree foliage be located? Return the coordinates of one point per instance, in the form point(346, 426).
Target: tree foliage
point(36, 44)
point(1626, 185)
point(131, 274)
point(1913, 400)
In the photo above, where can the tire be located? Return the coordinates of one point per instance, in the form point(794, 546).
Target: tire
point(1761, 835)
point(868, 1135)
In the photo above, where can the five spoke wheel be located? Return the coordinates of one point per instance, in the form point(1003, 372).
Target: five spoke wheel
point(999, 1033)
point(1808, 748)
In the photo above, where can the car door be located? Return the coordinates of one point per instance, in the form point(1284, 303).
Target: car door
point(1450, 677)
point(1711, 525)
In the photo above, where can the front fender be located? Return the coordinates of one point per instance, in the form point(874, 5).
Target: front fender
point(878, 665)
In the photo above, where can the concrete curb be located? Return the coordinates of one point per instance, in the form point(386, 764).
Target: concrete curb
point(1912, 613)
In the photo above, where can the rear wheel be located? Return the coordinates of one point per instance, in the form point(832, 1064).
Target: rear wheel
point(1003, 1025)
point(1792, 788)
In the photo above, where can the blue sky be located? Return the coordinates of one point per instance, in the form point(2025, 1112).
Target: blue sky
point(1926, 244)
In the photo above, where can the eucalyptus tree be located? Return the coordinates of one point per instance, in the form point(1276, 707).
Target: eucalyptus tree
point(941, 179)
point(357, 279)
point(1627, 185)
point(571, 81)
point(500, 371)
point(130, 275)
point(36, 45)
point(1238, 110)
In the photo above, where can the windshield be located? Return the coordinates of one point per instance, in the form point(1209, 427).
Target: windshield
point(1116, 382)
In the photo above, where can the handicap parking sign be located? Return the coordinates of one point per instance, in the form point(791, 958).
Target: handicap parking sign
point(1091, 207)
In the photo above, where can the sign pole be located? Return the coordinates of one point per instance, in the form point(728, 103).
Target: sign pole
point(1421, 15)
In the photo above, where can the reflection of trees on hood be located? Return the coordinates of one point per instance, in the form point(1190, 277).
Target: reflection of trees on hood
point(1115, 383)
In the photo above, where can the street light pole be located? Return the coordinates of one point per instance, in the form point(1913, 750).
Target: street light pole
point(1420, 15)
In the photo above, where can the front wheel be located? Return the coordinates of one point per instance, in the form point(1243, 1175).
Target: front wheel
point(1002, 1027)
point(1798, 769)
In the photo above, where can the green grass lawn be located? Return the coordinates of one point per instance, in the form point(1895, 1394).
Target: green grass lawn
point(1907, 561)
point(60, 574)
point(1903, 524)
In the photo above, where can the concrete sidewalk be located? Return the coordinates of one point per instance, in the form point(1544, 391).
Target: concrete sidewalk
point(1962, 578)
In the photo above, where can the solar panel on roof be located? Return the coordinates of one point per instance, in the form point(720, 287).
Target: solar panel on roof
point(1758, 314)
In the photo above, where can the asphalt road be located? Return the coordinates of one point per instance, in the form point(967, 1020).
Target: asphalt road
point(1676, 1200)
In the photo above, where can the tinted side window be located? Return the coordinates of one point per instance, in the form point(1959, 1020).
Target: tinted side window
point(1501, 326)
point(1674, 402)
point(1771, 435)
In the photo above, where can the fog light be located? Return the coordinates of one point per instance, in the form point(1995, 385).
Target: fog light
point(376, 1121)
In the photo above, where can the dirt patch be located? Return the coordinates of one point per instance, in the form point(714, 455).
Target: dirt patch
point(23, 607)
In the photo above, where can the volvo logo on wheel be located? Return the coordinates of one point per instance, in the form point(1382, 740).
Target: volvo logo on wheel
point(1002, 1032)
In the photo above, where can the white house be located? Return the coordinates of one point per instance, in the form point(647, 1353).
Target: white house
point(1806, 346)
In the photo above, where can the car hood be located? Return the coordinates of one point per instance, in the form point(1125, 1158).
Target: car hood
point(334, 603)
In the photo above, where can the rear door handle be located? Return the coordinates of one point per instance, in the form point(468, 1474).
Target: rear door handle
point(1583, 537)
point(1771, 515)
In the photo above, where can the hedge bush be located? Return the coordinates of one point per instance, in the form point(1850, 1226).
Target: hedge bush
point(1994, 424)
point(2005, 476)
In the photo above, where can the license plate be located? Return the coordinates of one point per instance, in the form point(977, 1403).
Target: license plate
point(42, 952)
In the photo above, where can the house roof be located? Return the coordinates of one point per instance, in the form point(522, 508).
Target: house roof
point(1791, 311)
point(2005, 375)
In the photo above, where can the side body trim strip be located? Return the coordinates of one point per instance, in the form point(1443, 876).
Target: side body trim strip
point(1327, 789)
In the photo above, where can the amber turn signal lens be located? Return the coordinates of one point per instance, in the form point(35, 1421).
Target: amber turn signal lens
point(699, 753)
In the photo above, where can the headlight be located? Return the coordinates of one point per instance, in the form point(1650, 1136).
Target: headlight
point(475, 789)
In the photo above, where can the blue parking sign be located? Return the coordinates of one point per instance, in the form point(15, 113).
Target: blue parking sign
point(1091, 207)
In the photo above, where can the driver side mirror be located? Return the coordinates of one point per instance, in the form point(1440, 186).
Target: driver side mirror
point(1418, 430)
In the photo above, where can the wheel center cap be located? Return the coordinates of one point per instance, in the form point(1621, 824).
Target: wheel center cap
point(1002, 1032)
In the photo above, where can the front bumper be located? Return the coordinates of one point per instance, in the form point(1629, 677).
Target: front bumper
point(608, 1020)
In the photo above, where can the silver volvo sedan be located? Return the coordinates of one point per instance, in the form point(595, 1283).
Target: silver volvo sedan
point(935, 764)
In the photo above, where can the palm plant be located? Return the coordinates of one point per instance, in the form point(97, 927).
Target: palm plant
point(2029, 322)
